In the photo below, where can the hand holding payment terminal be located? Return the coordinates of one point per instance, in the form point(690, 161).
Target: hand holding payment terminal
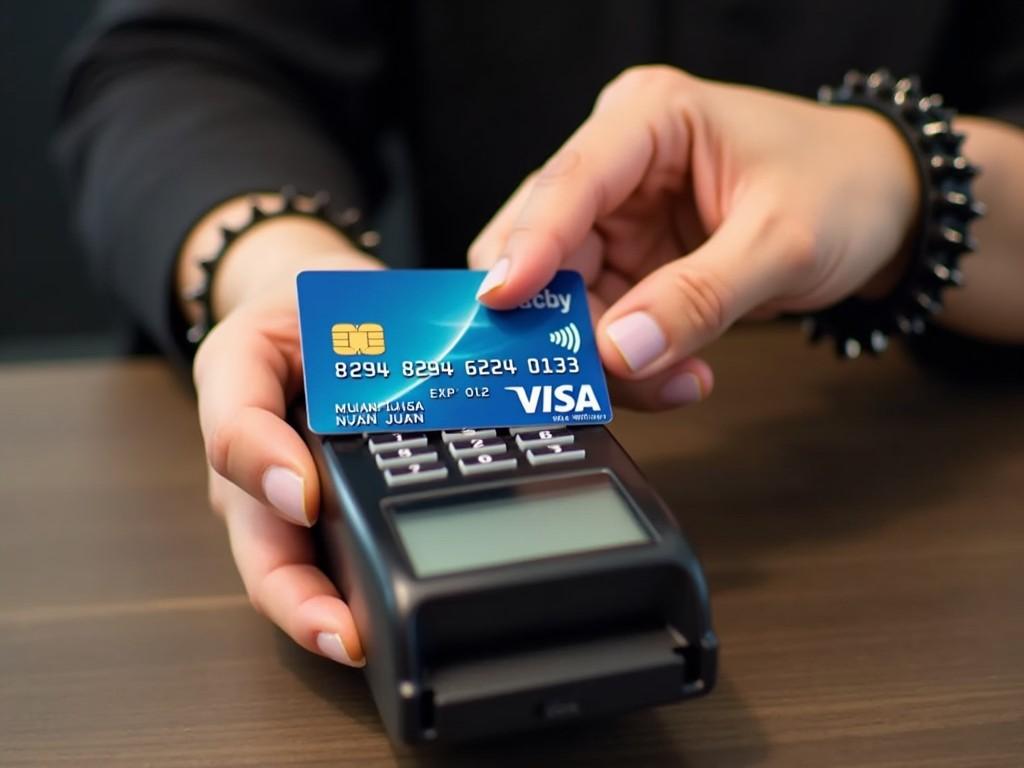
point(507, 565)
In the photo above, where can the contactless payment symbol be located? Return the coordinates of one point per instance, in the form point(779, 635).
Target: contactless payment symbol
point(566, 338)
point(363, 339)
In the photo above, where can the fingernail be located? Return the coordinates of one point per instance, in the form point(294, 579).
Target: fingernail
point(638, 338)
point(494, 278)
point(284, 490)
point(331, 646)
point(681, 390)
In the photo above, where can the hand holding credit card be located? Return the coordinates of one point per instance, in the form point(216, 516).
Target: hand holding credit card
point(413, 350)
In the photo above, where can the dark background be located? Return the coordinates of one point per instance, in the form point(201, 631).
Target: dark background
point(50, 307)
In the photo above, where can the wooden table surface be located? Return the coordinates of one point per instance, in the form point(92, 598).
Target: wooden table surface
point(860, 524)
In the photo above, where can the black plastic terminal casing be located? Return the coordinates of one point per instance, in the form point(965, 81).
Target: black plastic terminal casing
point(513, 647)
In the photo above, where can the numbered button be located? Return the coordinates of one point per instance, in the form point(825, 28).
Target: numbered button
point(415, 473)
point(553, 454)
point(465, 434)
point(380, 443)
point(542, 437)
point(476, 446)
point(519, 430)
point(485, 463)
point(404, 456)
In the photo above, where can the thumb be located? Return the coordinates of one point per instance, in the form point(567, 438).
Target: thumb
point(677, 309)
point(243, 373)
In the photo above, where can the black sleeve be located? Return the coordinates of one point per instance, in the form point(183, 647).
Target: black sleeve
point(173, 106)
point(979, 61)
point(980, 66)
point(1000, 33)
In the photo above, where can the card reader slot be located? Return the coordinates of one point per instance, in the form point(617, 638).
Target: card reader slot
point(545, 612)
point(560, 681)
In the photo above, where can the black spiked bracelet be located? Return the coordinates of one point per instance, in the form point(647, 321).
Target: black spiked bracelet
point(947, 209)
point(317, 206)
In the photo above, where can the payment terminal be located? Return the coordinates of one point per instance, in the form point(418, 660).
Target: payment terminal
point(509, 579)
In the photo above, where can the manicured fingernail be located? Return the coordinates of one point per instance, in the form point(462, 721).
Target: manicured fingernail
point(638, 338)
point(681, 390)
point(284, 490)
point(331, 646)
point(494, 278)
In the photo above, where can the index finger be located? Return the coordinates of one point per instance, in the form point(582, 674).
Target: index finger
point(594, 172)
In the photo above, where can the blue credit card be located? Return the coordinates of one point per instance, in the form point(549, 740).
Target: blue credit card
point(413, 350)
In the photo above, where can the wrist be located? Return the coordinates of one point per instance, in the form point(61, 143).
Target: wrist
point(267, 258)
point(263, 258)
point(885, 280)
point(902, 196)
point(942, 216)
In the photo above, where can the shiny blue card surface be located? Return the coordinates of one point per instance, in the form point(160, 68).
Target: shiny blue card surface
point(413, 350)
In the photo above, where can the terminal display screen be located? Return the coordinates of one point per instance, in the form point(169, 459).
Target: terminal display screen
point(530, 522)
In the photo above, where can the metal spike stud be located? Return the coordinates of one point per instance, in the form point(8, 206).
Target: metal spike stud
point(288, 198)
point(962, 204)
point(349, 216)
point(907, 84)
point(952, 236)
point(814, 328)
point(957, 239)
point(880, 79)
point(853, 79)
point(927, 303)
point(320, 202)
point(851, 349)
point(946, 275)
point(369, 239)
point(957, 165)
point(879, 341)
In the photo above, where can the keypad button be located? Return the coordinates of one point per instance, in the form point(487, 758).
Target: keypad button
point(518, 430)
point(380, 443)
point(404, 456)
point(465, 434)
point(542, 437)
point(485, 463)
point(476, 446)
point(415, 473)
point(552, 454)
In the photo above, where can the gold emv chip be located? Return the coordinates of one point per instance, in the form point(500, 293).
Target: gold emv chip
point(363, 339)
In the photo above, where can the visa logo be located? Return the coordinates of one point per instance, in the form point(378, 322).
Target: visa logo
point(560, 399)
point(548, 300)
